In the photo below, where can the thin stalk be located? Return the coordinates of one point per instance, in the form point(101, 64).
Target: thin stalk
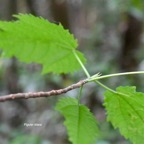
point(117, 74)
point(82, 65)
point(80, 93)
point(104, 86)
point(88, 75)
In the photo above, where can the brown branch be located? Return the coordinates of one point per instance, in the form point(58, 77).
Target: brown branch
point(42, 94)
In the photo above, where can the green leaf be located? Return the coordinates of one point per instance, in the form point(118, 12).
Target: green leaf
point(34, 39)
point(80, 123)
point(125, 109)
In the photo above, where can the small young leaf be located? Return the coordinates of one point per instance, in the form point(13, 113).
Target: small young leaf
point(80, 123)
point(125, 109)
point(34, 39)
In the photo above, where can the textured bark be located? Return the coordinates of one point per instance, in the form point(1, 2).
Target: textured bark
point(5, 9)
point(32, 7)
point(60, 12)
point(131, 42)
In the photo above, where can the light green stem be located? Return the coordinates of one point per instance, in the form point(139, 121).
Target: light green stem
point(104, 86)
point(80, 93)
point(97, 77)
point(113, 75)
point(88, 75)
point(82, 65)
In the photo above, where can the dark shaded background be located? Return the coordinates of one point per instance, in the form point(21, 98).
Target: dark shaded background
point(110, 34)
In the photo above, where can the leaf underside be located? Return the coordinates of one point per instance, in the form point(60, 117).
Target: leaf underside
point(34, 39)
point(81, 124)
point(125, 109)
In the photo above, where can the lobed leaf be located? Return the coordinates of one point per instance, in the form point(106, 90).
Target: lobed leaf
point(80, 123)
point(125, 109)
point(34, 39)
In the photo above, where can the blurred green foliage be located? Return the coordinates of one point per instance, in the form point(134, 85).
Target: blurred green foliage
point(26, 139)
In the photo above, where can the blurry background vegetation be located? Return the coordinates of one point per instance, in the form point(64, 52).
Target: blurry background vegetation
point(110, 34)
